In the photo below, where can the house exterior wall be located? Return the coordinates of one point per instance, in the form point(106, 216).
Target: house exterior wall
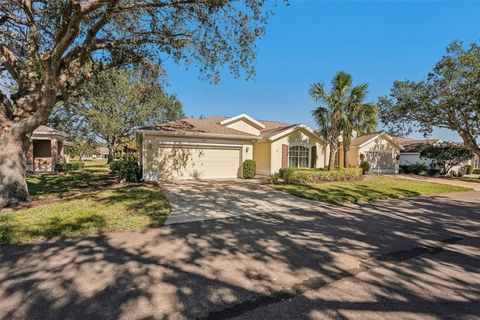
point(261, 155)
point(353, 157)
point(297, 137)
point(382, 155)
point(243, 126)
point(184, 152)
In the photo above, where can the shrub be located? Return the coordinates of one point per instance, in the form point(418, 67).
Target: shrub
point(302, 176)
point(468, 169)
point(273, 179)
point(415, 168)
point(115, 166)
point(365, 166)
point(476, 171)
point(249, 169)
point(127, 167)
point(74, 165)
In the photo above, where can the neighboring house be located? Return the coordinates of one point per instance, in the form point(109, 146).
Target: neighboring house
point(411, 154)
point(48, 147)
point(101, 152)
point(216, 147)
point(411, 151)
point(379, 149)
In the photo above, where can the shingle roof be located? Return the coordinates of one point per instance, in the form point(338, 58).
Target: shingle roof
point(212, 125)
point(362, 139)
point(43, 129)
point(414, 145)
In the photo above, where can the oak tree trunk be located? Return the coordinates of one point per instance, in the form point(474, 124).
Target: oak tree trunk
point(112, 146)
point(13, 154)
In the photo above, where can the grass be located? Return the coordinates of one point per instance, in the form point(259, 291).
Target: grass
point(466, 179)
point(369, 188)
point(85, 202)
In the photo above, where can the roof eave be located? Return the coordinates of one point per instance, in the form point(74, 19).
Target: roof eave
point(49, 134)
point(199, 134)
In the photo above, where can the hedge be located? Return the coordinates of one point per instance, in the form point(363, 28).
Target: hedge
point(476, 171)
point(302, 176)
point(415, 168)
point(74, 165)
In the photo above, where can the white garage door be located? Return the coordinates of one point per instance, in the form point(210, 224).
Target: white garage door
point(381, 161)
point(198, 163)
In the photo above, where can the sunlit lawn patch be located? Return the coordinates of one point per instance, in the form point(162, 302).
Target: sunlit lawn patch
point(370, 188)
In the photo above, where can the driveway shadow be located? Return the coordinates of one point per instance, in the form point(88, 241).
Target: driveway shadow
point(203, 269)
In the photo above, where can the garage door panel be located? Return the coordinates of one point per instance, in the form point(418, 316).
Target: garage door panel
point(198, 163)
point(381, 161)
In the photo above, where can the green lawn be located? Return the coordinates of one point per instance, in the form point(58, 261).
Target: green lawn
point(83, 202)
point(369, 188)
point(466, 179)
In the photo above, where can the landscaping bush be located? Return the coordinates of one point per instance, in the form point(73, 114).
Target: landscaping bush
point(115, 166)
point(468, 169)
point(416, 168)
point(127, 167)
point(365, 166)
point(74, 165)
point(249, 169)
point(302, 176)
point(476, 171)
point(273, 179)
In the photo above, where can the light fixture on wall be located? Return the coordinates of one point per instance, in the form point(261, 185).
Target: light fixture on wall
point(247, 149)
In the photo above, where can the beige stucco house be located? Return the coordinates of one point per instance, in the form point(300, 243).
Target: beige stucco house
point(216, 147)
point(380, 150)
point(47, 148)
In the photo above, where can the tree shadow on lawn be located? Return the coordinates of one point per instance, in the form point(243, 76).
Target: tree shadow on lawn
point(65, 220)
point(231, 266)
point(63, 184)
point(343, 194)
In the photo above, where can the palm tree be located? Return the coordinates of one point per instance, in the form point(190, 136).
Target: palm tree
point(360, 117)
point(341, 111)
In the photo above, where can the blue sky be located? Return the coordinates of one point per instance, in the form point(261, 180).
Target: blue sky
point(309, 41)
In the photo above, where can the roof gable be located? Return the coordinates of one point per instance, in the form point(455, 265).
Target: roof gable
point(243, 117)
point(368, 138)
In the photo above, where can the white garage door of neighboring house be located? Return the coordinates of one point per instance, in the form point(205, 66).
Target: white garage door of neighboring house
point(381, 161)
point(198, 163)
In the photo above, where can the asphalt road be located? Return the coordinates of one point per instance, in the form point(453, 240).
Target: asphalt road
point(416, 258)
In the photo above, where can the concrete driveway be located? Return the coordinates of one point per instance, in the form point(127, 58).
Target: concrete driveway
point(415, 258)
point(213, 199)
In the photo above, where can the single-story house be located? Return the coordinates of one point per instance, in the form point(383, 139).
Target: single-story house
point(216, 147)
point(101, 152)
point(379, 149)
point(411, 151)
point(47, 148)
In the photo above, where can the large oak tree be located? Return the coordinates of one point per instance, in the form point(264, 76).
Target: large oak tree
point(449, 97)
point(50, 48)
